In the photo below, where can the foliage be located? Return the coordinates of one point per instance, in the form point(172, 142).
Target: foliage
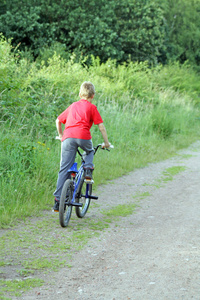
point(123, 30)
point(147, 113)
point(182, 38)
point(20, 21)
point(108, 29)
point(141, 29)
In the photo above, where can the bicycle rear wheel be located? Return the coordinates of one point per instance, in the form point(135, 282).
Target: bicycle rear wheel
point(65, 210)
point(85, 190)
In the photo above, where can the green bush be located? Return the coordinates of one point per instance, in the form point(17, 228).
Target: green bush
point(176, 76)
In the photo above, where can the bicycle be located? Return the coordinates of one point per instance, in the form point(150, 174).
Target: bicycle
point(76, 191)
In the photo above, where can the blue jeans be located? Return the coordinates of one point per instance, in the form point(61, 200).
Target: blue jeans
point(68, 153)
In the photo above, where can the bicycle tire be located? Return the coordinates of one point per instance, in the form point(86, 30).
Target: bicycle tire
point(65, 210)
point(81, 211)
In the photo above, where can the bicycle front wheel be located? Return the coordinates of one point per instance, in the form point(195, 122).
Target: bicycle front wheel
point(85, 190)
point(65, 210)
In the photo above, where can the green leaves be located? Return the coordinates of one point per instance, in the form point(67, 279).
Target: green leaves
point(182, 38)
point(123, 30)
point(141, 29)
point(108, 29)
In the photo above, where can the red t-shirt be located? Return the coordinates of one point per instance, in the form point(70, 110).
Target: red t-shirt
point(78, 119)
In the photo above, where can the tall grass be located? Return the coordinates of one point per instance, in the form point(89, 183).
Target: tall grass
point(148, 114)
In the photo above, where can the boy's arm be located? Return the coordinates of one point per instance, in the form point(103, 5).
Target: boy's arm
point(59, 128)
point(104, 134)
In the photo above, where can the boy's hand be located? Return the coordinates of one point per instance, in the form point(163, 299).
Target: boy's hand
point(106, 145)
point(58, 138)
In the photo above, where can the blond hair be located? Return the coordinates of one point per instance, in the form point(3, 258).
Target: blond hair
point(87, 90)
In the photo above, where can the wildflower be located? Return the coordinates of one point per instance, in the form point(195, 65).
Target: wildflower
point(42, 144)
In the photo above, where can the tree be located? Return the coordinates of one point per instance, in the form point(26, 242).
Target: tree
point(141, 28)
point(123, 30)
point(84, 27)
point(182, 38)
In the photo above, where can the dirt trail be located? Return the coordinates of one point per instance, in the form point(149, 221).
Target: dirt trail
point(151, 255)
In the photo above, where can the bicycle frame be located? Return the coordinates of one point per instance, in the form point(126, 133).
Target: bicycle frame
point(77, 175)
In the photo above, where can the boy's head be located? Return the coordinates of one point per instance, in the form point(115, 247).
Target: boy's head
point(87, 90)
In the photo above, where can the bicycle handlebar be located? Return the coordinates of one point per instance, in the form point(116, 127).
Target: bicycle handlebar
point(102, 147)
point(96, 148)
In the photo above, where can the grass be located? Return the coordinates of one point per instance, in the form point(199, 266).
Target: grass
point(42, 264)
point(185, 156)
point(26, 191)
point(141, 196)
point(147, 119)
point(169, 173)
point(16, 287)
point(28, 254)
point(120, 210)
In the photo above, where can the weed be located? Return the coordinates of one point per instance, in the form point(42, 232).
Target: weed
point(120, 210)
point(185, 156)
point(141, 195)
point(41, 264)
point(175, 170)
point(169, 173)
point(153, 184)
point(3, 263)
point(14, 287)
point(25, 272)
point(99, 225)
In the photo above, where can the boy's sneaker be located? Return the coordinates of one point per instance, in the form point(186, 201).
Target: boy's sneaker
point(56, 206)
point(88, 175)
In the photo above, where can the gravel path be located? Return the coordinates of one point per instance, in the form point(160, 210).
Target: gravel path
point(152, 254)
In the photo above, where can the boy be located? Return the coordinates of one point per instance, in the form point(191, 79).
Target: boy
point(78, 119)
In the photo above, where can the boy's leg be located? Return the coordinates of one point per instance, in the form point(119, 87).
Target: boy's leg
point(68, 154)
point(87, 146)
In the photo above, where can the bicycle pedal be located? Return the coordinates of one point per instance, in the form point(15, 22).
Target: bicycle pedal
point(93, 197)
point(88, 181)
point(75, 204)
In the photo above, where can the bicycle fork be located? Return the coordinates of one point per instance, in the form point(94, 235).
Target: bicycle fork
point(87, 193)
